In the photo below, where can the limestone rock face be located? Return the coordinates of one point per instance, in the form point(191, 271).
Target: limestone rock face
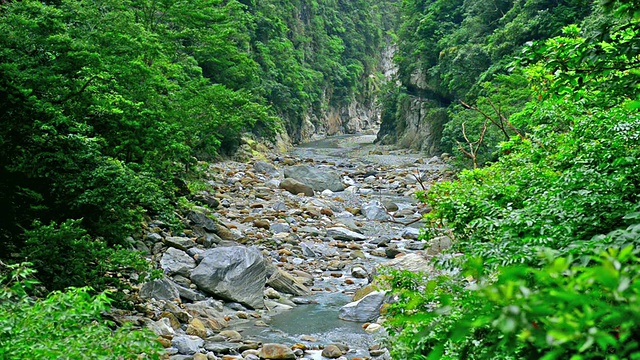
point(365, 309)
point(296, 187)
point(234, 273)
point(319, 179)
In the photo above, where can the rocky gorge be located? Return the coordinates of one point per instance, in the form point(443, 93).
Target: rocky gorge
point(279, 260)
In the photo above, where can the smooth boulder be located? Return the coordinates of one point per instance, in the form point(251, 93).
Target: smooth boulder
point(234, 273)
point(363, 310)
point(319, 179)
point(296, 187)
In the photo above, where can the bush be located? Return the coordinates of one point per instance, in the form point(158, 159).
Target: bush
point(564, 310)
point(65, 325)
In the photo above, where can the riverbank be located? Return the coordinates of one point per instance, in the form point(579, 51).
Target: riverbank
point(278, 266)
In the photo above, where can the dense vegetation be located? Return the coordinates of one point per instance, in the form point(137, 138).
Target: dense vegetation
point(547, 232)
point(106, 106)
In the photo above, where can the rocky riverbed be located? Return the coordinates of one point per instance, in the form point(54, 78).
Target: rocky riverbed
point(278, 264)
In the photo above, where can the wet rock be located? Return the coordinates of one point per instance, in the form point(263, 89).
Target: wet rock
point(159, 289)
point(318, 178)
point(340, 233)
point(331, 352)
point(233, 273)
point(363, 310)
point(276, 352)
point(374, 210)
point(287, 283)
point(176, 261)
point(187, 344)
point(296, 187)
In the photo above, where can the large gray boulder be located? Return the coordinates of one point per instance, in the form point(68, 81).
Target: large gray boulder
point(234, 273)
point(318, 179)
point(178, 262)
point(363, 310)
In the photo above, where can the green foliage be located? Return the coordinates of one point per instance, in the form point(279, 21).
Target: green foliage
point(65, 325)
point(106, 106)
point(564, 310)
point(571, 176)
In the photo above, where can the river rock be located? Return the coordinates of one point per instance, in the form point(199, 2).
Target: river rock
point(189, 294)
point(374, 210)
point(162, 327)
point(276, 352)
point(233, 273)
point(277, 228)
point(410, 233)
point(439, 244)
point(176, 261)
point(287, 283)
point(410, 262)
point(340, 233)
point(331, 352)
point(363, 310)
point(199, 219)
point(318, 179)
point(359, 272)
point(159, 289)
point(178, 242)
point(196, 328)
point(296, 187)
point(389, 205)
point(263, 167)
point(187, 344)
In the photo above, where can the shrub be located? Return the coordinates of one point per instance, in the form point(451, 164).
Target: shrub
point(65, 325)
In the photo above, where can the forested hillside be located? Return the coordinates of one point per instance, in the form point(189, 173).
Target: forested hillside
point(107, 106)
point(540, 99)
point(451, 52)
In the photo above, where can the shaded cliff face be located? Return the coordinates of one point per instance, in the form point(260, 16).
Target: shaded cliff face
point(361, 115)
point(413, 121)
